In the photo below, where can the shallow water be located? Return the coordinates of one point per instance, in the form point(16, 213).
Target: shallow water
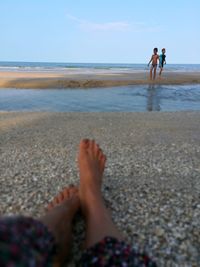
point(125, 98)
point(90, 67)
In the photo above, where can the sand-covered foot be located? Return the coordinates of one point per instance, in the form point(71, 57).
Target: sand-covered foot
point(59, 217)
point(91, 163)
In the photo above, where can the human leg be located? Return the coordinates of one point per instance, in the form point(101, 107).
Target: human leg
point(25, 241)
point(161, 69)
point(154, 72)
point(99, 224)
point(105, 245)
point(151, 70)
point(58, 219)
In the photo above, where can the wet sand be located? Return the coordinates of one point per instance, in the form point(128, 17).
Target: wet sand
point(81, 79)
point(151, 182)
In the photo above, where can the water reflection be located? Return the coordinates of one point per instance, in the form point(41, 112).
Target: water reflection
point(153, 98)
point(138, 98)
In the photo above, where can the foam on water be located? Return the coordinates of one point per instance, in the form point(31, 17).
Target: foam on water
point(91, 67)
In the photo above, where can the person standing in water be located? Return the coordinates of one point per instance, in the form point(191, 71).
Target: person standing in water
point(162, 60)
point(154, 59)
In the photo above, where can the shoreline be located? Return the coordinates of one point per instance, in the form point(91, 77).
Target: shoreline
point(79, 79)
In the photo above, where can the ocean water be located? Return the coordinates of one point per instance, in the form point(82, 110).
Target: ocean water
point(91, 67)
point(125, 98)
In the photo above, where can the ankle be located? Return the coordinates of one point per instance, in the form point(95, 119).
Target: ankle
point(92, 203)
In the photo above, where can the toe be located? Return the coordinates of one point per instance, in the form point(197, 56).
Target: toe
point(56, 201)
point(84, 144)
point(96, 149)
point(103, 162)
point(100, 154)
point(68, 193)
point(73, 191)
point(60, 197)
point(91, 145)
point(50, 206)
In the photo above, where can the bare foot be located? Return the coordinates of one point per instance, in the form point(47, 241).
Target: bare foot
point(91, 161)
point(59, 219)
point(99, 224)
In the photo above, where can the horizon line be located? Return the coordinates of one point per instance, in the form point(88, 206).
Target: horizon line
point(63, 62)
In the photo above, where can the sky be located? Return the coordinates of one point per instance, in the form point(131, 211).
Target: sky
point(99, 31)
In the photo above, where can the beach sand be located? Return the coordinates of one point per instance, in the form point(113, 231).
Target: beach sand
point(152, 177)
point(81, 79)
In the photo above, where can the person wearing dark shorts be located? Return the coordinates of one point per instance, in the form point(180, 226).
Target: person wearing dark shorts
point(46, 241)
point(162, 61)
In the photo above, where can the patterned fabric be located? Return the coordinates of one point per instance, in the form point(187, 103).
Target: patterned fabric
point(25, 242)
point(113, 253)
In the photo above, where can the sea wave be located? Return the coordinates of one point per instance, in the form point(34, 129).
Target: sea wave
point(90, 67)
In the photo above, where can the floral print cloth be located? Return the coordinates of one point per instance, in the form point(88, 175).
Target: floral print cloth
point(25, 242)
point(112, 252)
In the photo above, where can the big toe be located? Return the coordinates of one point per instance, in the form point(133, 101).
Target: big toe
point(84, 143)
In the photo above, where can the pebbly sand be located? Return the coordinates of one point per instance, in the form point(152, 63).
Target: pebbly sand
point(81, 79)
point(151, 183)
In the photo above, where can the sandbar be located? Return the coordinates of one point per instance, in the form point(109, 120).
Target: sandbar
point(90, 79)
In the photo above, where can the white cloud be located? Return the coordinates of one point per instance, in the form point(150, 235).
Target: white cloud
point(109, 26)
point(92, 26)
point(113, 26)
